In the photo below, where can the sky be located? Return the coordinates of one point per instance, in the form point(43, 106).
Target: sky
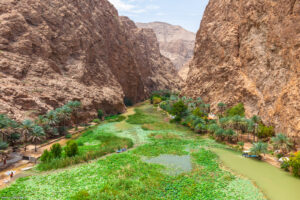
point(186, 13)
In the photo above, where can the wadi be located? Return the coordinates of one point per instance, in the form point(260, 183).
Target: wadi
point(101, 100)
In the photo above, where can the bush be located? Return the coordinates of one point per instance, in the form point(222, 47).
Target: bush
point(265, 131)
point(127, 102)
point(294, 162)
point(71, 149)
point(178, 109)
point(81, 195)
point(56, 150)
point(68, 136)
point(285, 166)
point(97, 121)
point(100, 114)
point(157, 100)
point(236, 110)
point(3, 145)
point(46, 156)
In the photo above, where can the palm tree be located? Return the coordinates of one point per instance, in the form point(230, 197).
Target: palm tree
point(250, 127)
point(222, 106)
point(37, 134)
point(26, 126)
point(259, 148)
point(52, 118)
point(75, 107)
point(220, 134)
point(229, 134)
point(281, 142)
point(256, 120)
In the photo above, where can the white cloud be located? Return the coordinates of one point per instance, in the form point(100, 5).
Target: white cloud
point(122, 6)
point(130, 6)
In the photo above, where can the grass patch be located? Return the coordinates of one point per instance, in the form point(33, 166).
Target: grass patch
point(92, 144)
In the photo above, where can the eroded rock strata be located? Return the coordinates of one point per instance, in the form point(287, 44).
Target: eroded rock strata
point(53, 51)
point(248, 51)
point(175, 42)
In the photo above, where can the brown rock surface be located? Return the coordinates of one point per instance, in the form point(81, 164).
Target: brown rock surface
point(175, 42)
point(248, 51)
point(53, 51)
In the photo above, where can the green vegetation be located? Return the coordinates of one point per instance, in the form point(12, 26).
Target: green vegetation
point(100, 114)
point(265, 131)
point(127, 102)
point(236, 110)
point(294, 163)
point(128, 176)
point(92, 144)
point(141, 118)
point(115, 118)
point(281, 142)
point(259, 148)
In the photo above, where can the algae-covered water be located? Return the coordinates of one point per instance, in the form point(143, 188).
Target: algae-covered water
point(175, 164)
point(275, 183)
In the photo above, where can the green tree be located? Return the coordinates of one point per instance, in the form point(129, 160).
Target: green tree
point(100, 114)
point(71, 149)
point(37, 134)
point(222, 107)
point(281, 142)
point(259, 148)
point(56, 150)
point(236, 110)
point(46, 156)
point(178, 109)
point(26, 126)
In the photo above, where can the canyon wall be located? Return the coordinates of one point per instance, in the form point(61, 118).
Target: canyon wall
point(175, 42)
point(54, 51)
point(249, 51)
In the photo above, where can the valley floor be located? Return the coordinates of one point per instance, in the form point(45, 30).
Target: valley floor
point(167, 161)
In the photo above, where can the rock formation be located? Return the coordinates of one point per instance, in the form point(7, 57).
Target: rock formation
point(53, 51)
point(248, 51)
point(175, 42)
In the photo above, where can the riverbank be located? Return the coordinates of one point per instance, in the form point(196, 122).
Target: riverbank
point(168, 162)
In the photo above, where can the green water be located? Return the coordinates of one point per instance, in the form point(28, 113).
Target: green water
point(275, 183)
point(175, 164)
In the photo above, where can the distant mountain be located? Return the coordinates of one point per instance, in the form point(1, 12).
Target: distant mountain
point(175, 42)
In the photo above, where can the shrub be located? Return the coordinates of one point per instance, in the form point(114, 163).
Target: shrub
point(56, 150)
point(294, 162)
point(265, 131)
point(97, 121)
point(199, 113)
point(157, 100)
point(178, 109)
point(46, 156)
point(236, 110)
point(100, 114)
point(71, 149)
point(127, 101)
point(81, 195)
point(3, 145)
point(285, 166)
point(68, 136)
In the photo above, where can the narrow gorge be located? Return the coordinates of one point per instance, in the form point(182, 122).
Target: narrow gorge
point(52, 52)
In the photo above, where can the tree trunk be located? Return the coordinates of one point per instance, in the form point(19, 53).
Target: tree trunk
point(35, 147)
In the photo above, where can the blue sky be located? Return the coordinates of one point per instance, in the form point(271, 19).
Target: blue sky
point(186, 13)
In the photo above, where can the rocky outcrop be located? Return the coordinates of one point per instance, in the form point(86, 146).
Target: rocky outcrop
point(175, 42)
point(54, 51)
point(248, 51)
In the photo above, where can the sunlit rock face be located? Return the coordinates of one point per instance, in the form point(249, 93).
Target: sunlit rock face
point(175, 42)
point(53, 51)
point(248, 51)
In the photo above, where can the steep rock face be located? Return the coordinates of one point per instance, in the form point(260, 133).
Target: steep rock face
point(54, 51)
point(175, 42)
point(248, 51)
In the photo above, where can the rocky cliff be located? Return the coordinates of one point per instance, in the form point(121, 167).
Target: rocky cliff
point(248, 51)
point(175, 42)
point(54, 51)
